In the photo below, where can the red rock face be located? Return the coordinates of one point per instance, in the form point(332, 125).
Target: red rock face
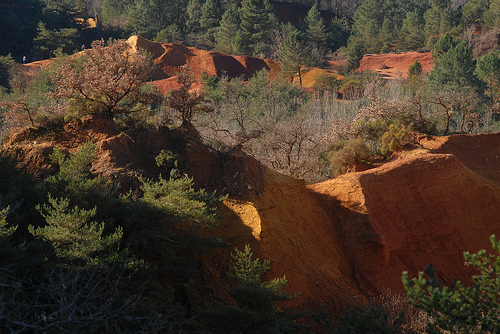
point(338, 241)
point(169, 57)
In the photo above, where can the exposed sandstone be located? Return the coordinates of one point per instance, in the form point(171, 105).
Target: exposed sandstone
point(337, 242)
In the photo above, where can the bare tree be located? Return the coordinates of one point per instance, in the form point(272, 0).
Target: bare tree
point(68, 300)
point(111, 82)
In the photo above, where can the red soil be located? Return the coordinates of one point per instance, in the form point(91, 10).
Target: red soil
point(389, 66)
point(337, 242)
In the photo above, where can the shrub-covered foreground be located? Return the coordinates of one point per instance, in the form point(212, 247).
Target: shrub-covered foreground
point(77, 257)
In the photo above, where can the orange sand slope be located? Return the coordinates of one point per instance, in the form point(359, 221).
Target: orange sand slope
point(342, 240)
point(389, 66)
point(338, 241)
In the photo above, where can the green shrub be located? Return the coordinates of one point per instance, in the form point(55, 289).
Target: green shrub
point(347, 152)
point(457, 308)
point(325, 82)
point(394, 138)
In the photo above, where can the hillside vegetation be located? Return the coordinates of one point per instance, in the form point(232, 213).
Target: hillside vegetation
point(208, 166)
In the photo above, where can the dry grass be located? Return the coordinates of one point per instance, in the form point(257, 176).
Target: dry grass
point(415, 320)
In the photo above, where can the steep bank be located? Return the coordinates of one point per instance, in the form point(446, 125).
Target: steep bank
point(337, 242)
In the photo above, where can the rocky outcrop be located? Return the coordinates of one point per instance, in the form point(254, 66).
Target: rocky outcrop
point(338, 242)
point(169, 57)
point(345, 239)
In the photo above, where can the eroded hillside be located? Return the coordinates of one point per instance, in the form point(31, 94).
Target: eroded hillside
point(337, 242)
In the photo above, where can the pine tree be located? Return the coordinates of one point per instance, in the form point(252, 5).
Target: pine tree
point(442, 46)
point(209, 22)
point(491, 17)
point(316, 30)
point(455, 70)
point(193, 12)
point(293, 54)
point(257, 23)
point(438, 20)
point(70, 231)
point(415, 69)
point(458, 308)
point(255, 310)
point(368, 20)
point(410, 35)
point(226, 33)
point(472, 12)
point(354, 56)
point(488, 69)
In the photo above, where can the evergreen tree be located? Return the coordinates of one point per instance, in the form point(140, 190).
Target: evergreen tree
point(488, 69)
point(209, 22)
point(255, 310)
point(63, 40)
point(257, 23)
point(293, 54)
point(438, 20)
point(71, 233)
point(442, 46)
point(316, 30)
point(114, 12)
point(457, 308)
point(472, 12)
point(354, 56)
point(6, 63)
point(225, 36)
point(455, 70)
point(491, 17)
point(387, 35)
point(368, 20)
point(410, 35)
point(193, 12)
point(415, 69)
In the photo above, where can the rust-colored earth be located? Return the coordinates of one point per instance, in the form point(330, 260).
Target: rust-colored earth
point(338, 242)
point(389, 66)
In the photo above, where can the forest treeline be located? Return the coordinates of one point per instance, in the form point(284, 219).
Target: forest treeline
point(79, 254)
point(39, 29)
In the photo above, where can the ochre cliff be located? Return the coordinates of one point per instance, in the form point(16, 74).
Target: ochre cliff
point(345, 239)
point(338, 242)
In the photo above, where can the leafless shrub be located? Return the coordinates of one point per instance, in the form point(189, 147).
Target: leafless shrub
point(72, 300)
point(414, 321)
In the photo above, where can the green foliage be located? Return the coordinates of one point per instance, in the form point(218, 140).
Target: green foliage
point(368, 19)
point(325, 82)
point(491, 16)
point(211, 83)
point(415, 69)
point(316, 29)
point(257, 23)
point(442, 46)
point(74, 178)
point(6, 63)
point(394, 138)
point(354, 56)
point(488, 70)
point(439, 19)
point(373, 319)
point(64, 41)
point(344, 153)
point(255, 311)
point(293, 54)
point(472, 12)
point(211, 15)
point(70, 231)
point(458, 308)
point(193, 11)
point(411, 34)
point(225, 37)
point(455, 70)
